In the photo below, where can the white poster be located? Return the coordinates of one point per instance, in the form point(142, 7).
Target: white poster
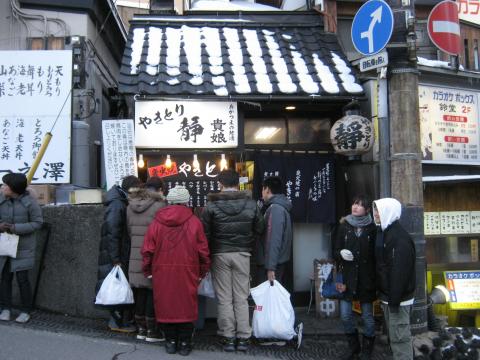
point(469, 10)
point(455, 222)
point(186, 124)
point(118, 150)
point(34, 85)
point(431, 223)
point(449, 125)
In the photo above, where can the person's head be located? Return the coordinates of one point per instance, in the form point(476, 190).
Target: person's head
point(386, 211)
point(360, 205)
point(178, 195)
point(228, 179)
point(155, 183)
point(14, 184)
point(271, 185)
point(129, 182)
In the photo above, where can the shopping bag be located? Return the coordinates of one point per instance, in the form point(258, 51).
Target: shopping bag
point(329, 289)
point(206, 287)
point(273, 316)
point(8, 244)
point(115, 289)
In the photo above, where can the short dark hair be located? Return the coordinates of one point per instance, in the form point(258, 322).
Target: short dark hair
point(17, 182)
point(228, 178)
point(129, 182)
point(274, 183)
point(363, 200)
point(155, 183)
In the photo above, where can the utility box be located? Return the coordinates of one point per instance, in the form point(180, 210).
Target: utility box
point(86, 196)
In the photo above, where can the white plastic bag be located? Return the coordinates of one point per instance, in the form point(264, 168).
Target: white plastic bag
point(273, 316)
point(8, 244)
point(115, 289)
point(206, 287)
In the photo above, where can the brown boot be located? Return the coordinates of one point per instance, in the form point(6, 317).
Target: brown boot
point(153, 333)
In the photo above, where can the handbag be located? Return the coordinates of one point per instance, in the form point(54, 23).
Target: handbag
point(8, 244)
point(329, 289)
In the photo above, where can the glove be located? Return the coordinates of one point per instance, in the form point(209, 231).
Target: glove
point(346, 255)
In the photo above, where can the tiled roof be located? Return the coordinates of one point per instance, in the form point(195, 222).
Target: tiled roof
point(235, 56)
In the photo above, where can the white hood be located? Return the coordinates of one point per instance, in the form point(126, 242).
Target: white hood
point(389, 210)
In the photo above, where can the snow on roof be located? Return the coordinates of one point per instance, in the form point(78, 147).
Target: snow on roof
point(437, 63)
point(235, 5)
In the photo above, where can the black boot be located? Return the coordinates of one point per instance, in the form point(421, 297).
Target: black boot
point(141, 327)
point(353, 347)
point(367, 347)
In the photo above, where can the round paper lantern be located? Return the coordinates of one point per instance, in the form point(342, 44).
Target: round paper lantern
point(352, 135)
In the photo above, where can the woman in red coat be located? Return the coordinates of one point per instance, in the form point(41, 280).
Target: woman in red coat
point(176, 256)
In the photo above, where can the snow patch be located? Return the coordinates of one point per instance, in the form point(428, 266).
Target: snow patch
point(137, 47)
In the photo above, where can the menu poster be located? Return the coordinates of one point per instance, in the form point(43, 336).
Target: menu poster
point(464, 289)
point(455, 222)
point(309, 183)
point(431, 223)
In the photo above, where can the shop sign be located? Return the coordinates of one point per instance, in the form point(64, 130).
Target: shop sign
point(449, 125)
point(451, 222)
point(469, 10)
point(118, 150)
point(186, 124)
point(464, 289)
point(373, 62)
point(431, 222)
point(34, 94)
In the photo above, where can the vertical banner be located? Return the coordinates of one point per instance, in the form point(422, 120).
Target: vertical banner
point(118, 150)
point(34, 85)
point(309, 183)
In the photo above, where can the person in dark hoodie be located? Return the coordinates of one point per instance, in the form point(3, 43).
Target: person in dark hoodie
point(354, 252)
point(395, 264)
point(176, 257)
point(232, 221)
point(115, 243)
point(275, 248)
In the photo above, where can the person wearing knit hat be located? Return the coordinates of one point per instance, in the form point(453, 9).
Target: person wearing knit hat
point(20, 214)
point(178, 195)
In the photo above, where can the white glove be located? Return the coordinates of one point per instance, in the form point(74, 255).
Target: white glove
point(346, 255)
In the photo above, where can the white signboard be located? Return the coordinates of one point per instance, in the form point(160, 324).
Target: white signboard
point(431, 222)
point(475, 222)
point(186, 124)
point(469, 10)
point(449, 125)
point(374, 61)
point(455, 222)
point(34, 85)
point(118, 150)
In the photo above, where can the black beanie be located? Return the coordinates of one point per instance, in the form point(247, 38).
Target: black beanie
point(17, 182)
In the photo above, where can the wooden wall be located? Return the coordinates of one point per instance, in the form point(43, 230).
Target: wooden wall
point(452, 197)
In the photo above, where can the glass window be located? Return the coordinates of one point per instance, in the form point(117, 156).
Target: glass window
point(452, 249)
point(306, 131)
point(466, 54)
point(264, 131)
point(475, 54)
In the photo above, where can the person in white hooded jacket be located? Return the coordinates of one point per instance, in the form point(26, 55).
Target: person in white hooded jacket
point(395, 263)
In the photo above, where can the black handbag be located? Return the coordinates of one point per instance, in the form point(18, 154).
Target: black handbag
point(329, 289)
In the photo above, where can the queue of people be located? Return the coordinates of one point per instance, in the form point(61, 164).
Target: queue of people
point(166, 251)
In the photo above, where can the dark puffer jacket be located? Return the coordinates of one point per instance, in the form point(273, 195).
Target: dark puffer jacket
point(359, 274)
point(232, 221)
point(115, 242)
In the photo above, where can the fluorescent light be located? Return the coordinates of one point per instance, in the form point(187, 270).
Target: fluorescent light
point(265, 133)
point(290, 107)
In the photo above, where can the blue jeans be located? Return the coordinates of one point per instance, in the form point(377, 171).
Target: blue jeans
point(348, 320)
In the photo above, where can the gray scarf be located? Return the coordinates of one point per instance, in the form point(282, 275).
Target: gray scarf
point(359, 221)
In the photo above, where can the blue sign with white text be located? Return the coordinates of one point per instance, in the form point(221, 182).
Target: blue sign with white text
point(372, 27)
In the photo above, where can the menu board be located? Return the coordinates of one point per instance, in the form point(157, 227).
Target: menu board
point(464, 289)
point(431, 222)
point(451, 222)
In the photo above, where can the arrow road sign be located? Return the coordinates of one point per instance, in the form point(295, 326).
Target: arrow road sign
point(444, 27)
point(372, 27)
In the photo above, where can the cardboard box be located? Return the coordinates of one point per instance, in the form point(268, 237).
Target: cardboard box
point(45, 194)
point(86, 196)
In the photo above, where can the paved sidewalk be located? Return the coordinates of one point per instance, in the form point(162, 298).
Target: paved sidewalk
point(318, 343)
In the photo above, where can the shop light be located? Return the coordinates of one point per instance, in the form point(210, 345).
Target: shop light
point(140, 163)
point(196, 164)
point(265, 133)
point(290, 107)
point(168, 162)
point(223, 163)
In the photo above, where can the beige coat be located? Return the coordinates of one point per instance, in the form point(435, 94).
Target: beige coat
point(142, 207)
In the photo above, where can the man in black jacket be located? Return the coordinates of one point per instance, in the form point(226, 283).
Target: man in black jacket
point(115, 243)
point(395, 261)
point(232, 221)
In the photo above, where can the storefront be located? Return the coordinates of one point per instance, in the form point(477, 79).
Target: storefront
point(257, 93)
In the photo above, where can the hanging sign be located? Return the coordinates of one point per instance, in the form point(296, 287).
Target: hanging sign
point(449, 125)
point(464, 289)
point(118, 150)
point(34, 86)
point(186, 124)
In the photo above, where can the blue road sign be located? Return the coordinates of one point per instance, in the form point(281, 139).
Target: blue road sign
point(372, 27)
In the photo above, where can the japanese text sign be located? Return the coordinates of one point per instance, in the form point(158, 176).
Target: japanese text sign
point(118, 150)
point(449, 125)
point(451, 222)
point(34, 85)
point(469, 10)
point(464, 289)
point(186, 124)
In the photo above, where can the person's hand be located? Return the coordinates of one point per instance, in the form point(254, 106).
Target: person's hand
point(271, 276)
point(149, 276)
point(346, 255)
point(5, 227)
point(340, 287)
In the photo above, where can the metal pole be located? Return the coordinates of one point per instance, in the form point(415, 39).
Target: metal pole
point(384, 134)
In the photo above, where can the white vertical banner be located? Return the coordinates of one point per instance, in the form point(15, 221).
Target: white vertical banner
point(119, 150)
point(34, 85)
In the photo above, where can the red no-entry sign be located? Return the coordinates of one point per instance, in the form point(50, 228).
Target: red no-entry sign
point(444, 27)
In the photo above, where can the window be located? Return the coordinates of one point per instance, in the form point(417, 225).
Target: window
point(475, 55)
point(306, 131)
point(50, 43)
point(262, 131)
point(466, 54)
point(452, 249)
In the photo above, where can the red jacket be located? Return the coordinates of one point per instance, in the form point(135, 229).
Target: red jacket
point(175, 252)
